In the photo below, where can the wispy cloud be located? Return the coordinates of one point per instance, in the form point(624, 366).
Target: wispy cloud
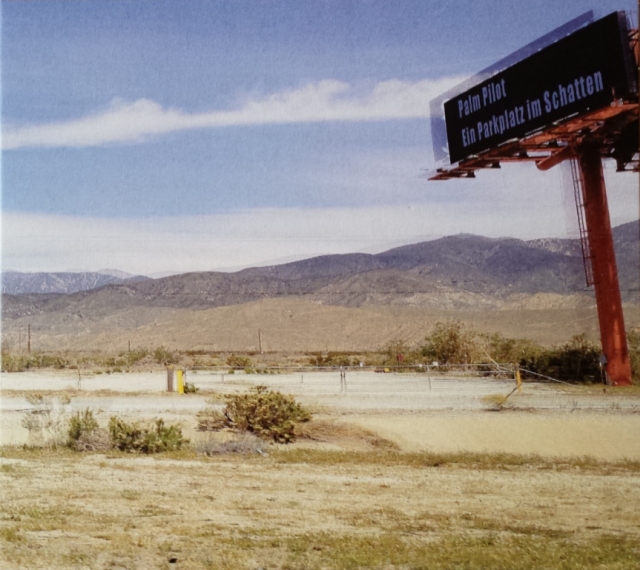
point(329, 100)
point(38, 242)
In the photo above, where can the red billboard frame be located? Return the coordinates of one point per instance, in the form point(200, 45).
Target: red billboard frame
point(606, 74)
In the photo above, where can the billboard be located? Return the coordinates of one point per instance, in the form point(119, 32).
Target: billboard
point(585, 71)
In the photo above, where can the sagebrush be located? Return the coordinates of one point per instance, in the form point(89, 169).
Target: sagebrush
point(85, 434)
point(137, 437)
point(45, 421)
point(263, 412)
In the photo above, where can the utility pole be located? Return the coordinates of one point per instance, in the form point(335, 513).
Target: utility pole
point(29, 339)
point(260, 340)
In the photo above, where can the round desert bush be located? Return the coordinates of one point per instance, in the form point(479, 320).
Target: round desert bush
point(84, 433)
point(265, 413)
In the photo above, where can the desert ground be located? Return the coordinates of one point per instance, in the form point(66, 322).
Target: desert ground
point(396, 471)
point(294, 325)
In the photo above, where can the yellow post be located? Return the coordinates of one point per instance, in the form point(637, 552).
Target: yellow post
point(180, 376)
point(518, 379)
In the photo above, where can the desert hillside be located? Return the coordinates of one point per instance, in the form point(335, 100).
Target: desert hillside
point(340, 302)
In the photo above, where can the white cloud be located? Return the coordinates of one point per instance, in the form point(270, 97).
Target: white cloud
point(517, 201)
point(33, 242)
point(329, 100)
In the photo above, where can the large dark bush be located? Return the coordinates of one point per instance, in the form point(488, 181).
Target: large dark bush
point(267, 414)
point(633, 340)
point(576, 361)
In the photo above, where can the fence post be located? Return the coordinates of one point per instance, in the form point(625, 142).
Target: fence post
point(343, 380)
point(169, 378)
point(518, 378)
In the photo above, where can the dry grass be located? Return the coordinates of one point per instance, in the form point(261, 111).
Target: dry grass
point(466, 460)
point(306, 508)
point(222, 443)
point(494, 402)
point(327, 431)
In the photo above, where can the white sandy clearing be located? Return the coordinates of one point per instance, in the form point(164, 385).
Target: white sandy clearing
point(416, 411)
point(605, 436)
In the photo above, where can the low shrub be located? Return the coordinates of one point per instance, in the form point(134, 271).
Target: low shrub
point(14, 363)
point(265, 413)
point(238, 362)
point(494, 402)
point(189, 388)
point(134, 356)
point(162, 355)
point(332, 359)
point(138, 438)
point(212, 419)
point(81, 423)
point(84, 433)
point(45, 421)
point(21, 362)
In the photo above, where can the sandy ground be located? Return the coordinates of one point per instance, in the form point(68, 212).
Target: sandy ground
point(603, 436)
point(415, 411)
point(317, 504)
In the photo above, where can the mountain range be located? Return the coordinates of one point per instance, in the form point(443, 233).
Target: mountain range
point(19, 282)
point(456, 273)
point(497, 267)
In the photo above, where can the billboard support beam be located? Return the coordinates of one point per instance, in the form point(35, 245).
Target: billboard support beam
point(605, 272)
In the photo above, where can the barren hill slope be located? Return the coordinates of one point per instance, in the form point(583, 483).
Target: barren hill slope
point(529, 289)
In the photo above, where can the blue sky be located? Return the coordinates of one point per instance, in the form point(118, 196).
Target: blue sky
point(159, 136)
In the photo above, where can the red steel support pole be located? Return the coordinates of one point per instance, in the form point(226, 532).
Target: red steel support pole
point(605, 272)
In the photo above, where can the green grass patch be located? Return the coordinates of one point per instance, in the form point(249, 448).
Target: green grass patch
point(466, 551)
point(498, 461)
point(14, 470)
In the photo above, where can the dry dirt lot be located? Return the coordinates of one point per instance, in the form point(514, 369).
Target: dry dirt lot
point(401, 471)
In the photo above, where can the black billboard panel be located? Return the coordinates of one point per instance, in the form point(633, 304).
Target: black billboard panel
point(582, 72)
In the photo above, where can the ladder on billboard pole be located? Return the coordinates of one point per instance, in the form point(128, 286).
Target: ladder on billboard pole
point(579, 196)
